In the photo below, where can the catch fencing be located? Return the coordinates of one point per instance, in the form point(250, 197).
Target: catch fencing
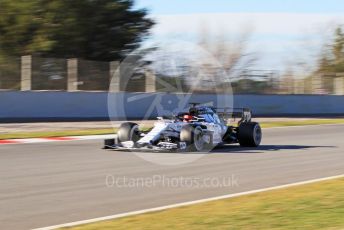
point(34, 73)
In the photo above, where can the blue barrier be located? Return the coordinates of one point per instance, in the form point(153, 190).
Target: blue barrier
point(54, 105)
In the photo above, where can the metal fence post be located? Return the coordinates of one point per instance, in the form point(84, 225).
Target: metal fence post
point(339, 85)
point(115, 77)
point(72, 74)
point(295, 87)
point(299, 86)
point(317, 84)
point(150, 81)
point(26, 72)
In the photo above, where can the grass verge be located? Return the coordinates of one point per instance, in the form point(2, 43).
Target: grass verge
point(301, 122)
point(313, 206)
point(18, 135)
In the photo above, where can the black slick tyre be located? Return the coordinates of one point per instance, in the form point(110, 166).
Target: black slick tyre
point(249, 134)
point(193, 137)
point(128, 131)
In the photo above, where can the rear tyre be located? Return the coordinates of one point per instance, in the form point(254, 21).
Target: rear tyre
point(128, 131)
point(193, 137)
point(249, 134)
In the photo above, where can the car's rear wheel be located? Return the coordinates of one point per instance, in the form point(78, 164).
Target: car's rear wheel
point(128, 131)
point(250, 134)
point(193, 137)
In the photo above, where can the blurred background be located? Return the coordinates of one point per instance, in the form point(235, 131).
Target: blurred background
point(294, 47)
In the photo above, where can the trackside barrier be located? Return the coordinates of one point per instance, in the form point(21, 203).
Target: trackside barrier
point(55, 106)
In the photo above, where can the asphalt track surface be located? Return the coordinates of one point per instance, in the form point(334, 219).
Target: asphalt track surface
point(54, 183)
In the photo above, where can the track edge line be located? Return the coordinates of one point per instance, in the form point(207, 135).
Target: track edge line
point(162, 208)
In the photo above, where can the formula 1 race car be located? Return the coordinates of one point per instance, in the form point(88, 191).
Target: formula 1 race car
point(200, 129)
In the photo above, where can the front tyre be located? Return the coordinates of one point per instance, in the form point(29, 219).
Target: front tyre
point(250, 134)
point(193, 137)
point(128, 131)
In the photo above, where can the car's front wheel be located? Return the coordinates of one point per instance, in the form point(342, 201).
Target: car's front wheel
point(128, 131)
point(193, 137)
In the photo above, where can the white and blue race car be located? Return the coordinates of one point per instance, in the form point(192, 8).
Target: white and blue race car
point(200, 129)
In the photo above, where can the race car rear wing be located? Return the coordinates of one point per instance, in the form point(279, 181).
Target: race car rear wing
point(244, 114)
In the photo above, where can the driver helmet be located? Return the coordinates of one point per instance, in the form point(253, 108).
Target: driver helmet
point(187, 118)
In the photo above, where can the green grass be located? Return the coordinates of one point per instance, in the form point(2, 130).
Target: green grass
point(109, 131)
point(302, 122)
point(313, 206)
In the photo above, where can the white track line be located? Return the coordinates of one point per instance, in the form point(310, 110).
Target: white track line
point(54, 139)
point(186, 203)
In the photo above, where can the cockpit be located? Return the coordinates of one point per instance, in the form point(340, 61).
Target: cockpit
point(205, 114)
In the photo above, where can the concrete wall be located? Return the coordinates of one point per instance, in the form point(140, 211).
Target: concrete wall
point(37, 106)
point(30, 105)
